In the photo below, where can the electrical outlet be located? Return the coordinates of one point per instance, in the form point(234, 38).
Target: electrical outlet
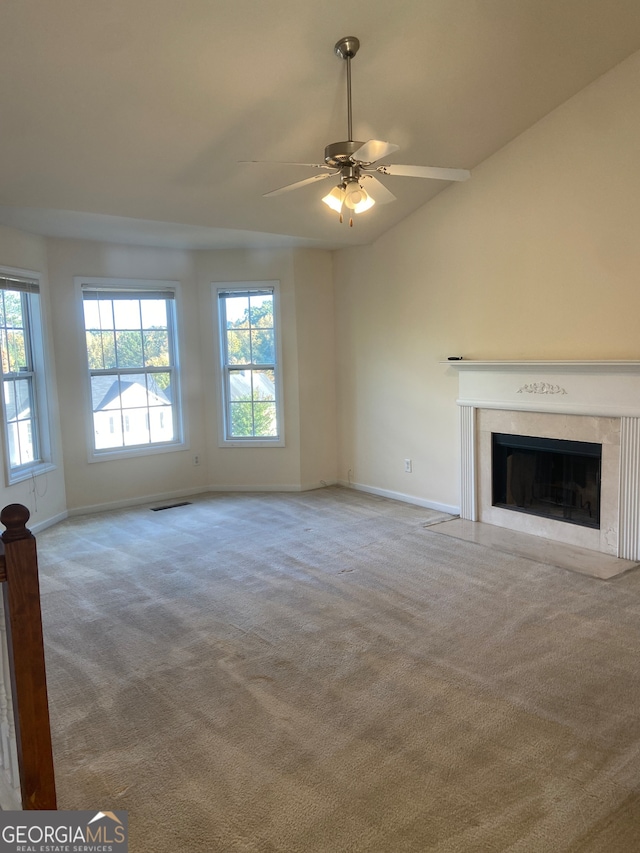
point(196, 459)
point(407, 466)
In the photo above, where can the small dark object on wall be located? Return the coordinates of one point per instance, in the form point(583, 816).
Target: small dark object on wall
point(454, 358)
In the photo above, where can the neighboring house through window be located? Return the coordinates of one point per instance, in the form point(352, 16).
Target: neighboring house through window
point(130, 334)
point(24, 382)
point(251, 382)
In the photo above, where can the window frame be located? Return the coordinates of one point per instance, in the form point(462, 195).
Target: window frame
point(224, 438)
point(111, 287)
point(36, 344)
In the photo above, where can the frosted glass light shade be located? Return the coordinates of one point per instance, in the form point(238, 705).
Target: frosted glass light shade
point(335, 199)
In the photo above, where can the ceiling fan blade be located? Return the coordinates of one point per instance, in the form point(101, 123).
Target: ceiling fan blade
point(283, 163)
point(298, 184)
point(374, 150)
point(377, 189)
point(425, 172)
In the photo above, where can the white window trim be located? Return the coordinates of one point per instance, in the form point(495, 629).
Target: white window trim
point(225, 286)
point(41, 362)
point(181, 442)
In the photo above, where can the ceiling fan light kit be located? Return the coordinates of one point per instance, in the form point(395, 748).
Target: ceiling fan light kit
point(355, 162)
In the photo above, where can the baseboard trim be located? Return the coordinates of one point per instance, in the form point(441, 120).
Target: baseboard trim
point(278, 487)
point(48, 522)
point(183, 493)
point(146, 499)
point(400, 496)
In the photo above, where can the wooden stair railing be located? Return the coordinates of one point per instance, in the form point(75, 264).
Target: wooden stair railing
point(21, 594)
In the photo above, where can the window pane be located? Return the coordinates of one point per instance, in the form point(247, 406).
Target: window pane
point(154, 313)
point(91, 314)
point(94, 350)
point(261, 311)
point(25, 434)
point(240, 384)
point(2, 318)
point(237, 309)
point(133, 391)
point(105, 393)
point(126, 313)
point(109, 349)
point(159, 386)
point(156, 348)
point(136, 426)
point(263, 349)
point(107, 429)
point(5, 350)
point(161, 423)
point(14, 444)
point(101, 350)
point(13, 309)
point(10, 400)
point(239, 347)
point(264, 418)
point(23, 398)
point(106, 314)
point(16, 350)
point(241, 419)
point(129, 349)
point(264, 385)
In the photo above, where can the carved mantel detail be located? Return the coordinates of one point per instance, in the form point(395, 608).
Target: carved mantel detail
point(541, 388)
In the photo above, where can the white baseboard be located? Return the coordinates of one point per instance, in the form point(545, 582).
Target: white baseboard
point(182, 493)
point(400, 496)
point(234, 487)
point(147, 499)
point(48, 522)
point(278, 487)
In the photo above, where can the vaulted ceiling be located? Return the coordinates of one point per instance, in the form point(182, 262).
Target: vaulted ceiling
point(127, 119)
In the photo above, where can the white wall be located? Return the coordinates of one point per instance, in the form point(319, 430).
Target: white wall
point(306, 315)
point(315, 312)
point(114, 482)
point(537, 256)
point(306, 306)
point(44, 495)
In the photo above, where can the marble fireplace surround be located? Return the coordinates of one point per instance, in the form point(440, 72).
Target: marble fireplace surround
point(596, 401)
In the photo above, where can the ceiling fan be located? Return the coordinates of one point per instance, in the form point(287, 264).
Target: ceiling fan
point(356, 163)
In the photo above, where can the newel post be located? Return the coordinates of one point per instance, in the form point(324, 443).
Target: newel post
point(27, 664)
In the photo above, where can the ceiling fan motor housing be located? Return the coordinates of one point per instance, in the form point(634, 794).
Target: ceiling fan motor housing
point(339, 153)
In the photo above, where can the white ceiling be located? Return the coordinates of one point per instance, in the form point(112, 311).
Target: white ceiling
point(125, 119)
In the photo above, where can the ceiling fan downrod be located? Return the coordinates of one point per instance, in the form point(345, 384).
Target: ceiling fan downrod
point(346, 48)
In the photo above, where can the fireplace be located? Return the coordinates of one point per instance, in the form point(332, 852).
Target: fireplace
point(549, 477)
point(585, 403)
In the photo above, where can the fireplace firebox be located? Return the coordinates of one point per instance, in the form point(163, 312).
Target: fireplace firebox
point(552, 478)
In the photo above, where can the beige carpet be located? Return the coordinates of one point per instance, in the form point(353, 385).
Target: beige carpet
point(322, 673)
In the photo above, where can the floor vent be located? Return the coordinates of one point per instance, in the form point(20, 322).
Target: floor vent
point(169, 506)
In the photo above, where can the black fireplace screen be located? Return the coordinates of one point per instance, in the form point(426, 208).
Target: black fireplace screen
point(553, 478)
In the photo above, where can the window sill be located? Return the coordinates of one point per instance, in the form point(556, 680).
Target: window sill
point(30, 472)
point(110, 454)
point(251, 442)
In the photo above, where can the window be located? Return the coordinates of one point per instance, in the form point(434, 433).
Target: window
point(24, 407)
point(250, 374)
point(130, 335)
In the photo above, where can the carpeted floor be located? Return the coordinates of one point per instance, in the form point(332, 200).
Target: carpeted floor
point(322, 673)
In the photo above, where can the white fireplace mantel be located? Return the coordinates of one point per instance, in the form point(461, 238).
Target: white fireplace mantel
point(592, 389)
